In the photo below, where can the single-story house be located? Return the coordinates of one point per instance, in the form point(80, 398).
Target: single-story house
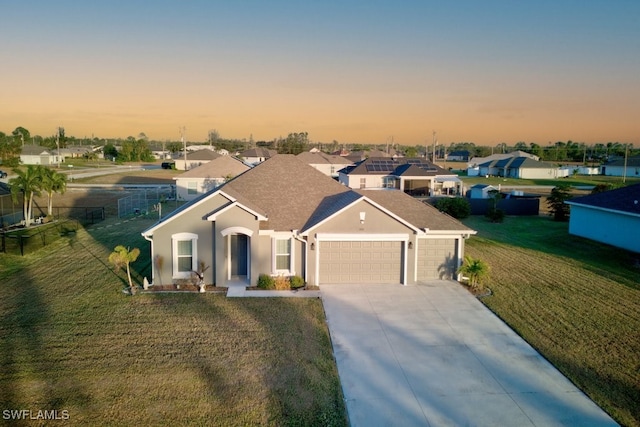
point(283, 217)
point(257, 155)
point(32, 154)
point(328, 164)
point(195, 158)
point(208, 176)
point(458, 156)
point(76, 151)
point(618, 168)
point(611, 217)
point(413, 175)
point(473, 166)
point(522, 167)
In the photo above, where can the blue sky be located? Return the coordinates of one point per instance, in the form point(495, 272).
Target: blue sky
point(352, 71)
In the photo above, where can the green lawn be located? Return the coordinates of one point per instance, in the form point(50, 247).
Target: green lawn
point(71, 340)
point(576, 301)
point(578, 180)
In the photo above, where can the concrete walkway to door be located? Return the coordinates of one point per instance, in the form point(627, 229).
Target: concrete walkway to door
point(433, 355)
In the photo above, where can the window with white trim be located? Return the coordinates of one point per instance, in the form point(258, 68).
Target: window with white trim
point(192, 187)
point(184, 254)
point(282, 256)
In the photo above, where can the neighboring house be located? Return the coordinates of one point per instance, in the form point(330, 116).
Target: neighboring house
point(412, 175)
point(208, 176)
point(611, 217)
point(195, 159)
point(523, 168)
point(38, 155)
point(473, 166)
point(458, 156)
point(481, 191)
point(285, 218)
point(328, 164)
point(580, 170)
point(76, 151)
point(357, 156)
point(618, 168)
point(258, 155)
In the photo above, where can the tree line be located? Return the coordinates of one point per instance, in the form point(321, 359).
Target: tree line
point(133, 149)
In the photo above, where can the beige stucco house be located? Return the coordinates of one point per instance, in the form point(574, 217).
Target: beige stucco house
point(208, 176)
point(283, 217)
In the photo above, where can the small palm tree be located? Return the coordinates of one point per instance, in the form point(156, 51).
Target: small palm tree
point(28, 183)
point(53, 182)
point(122, 257)
point(476, 270)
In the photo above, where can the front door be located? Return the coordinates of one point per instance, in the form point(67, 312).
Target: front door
point(239, 246)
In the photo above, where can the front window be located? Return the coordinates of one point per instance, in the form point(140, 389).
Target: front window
point(184, 252)
point(389, 182)
point(282, 256)
point(192, 187)
point(363, 182)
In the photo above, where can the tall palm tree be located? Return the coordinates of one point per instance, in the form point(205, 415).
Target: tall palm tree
point(28, 183)
point(53, 182)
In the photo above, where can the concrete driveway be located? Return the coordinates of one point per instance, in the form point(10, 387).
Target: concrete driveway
point(433, 355)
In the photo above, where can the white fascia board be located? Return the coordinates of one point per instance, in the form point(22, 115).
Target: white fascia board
point(598, 208)
point(445, 234)
point(354, 237)
point(189, 207)
point(258, 216)
point(366, 199)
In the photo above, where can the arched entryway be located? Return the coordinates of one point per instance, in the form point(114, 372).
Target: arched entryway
point(238, 253)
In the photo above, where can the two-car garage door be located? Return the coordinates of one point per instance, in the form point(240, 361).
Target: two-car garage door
point(360, 262)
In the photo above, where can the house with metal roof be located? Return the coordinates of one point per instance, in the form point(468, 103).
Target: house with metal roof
point(521, 167)
point(413, 175)
point(611, 217)
point(284, 217)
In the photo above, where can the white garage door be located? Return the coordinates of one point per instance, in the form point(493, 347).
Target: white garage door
point(360, 262)
point(437, 259)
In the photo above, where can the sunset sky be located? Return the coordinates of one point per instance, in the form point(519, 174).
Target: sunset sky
point(352, 71)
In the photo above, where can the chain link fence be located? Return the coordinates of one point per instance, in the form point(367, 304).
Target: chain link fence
point(144, 201)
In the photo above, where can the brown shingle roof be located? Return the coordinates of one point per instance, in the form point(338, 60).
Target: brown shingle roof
point(220, 167)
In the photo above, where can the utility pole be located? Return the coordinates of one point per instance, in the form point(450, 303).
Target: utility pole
point(183, 130)
point(434, 148)
point(624, 171)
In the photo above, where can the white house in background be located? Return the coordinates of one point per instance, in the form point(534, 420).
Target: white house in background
point(481, 191)
point(208, 176)
point(195, 159)
point(254, 156)
point(580, 170)
point(523, 168)
point(611, 217)
point(37, 155)
point(617, 167)
point(473, 166)
point(328, 164)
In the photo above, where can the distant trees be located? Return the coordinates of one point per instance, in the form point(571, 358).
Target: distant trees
point(134, 150)
point(10, 148)
point(295, 143)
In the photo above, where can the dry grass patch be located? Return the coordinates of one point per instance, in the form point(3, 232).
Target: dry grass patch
point(576, 301)
point(71, 340)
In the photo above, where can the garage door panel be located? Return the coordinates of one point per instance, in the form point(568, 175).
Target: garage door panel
point(436, 259)
point(360, 262)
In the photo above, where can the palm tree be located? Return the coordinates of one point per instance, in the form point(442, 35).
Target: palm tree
point(28, 183)
point(476, 270)
point(122, 257)
point(53, 182)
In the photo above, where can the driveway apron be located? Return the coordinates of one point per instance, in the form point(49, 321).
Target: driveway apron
point(433, 355)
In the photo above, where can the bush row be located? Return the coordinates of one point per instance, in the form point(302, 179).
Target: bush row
point(266, 281)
